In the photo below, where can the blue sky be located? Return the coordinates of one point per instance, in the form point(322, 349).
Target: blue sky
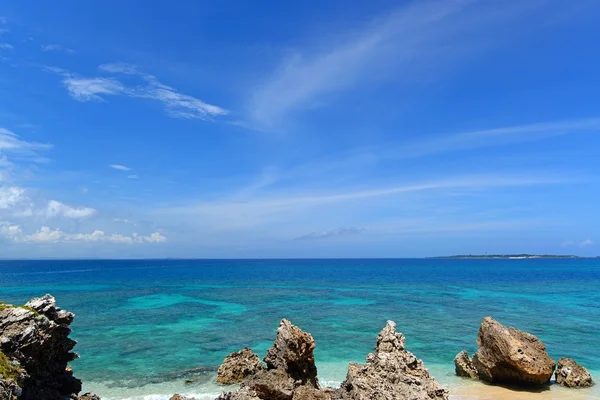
point(310, 129)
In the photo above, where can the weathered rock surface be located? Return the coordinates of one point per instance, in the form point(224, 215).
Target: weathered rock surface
point(570, 374)
point(242, 394)
point(238, 366)
point(464, 366)
point(390, 373)
point(88, 396)
point(180, 397)
point(292, 352)
point(273, 384)
point(508, 355)
point(311, 393)
point(36, 338)
point(9, 389)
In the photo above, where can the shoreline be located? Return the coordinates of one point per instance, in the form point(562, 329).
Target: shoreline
point(333, 373)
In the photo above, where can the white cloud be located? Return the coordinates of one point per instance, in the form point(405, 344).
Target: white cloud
point(90, 89)
point(56, 47)
point(331, 233)
point(132, 176)
point(155, 237)
point(586, 243)
point(48, 235)
point(120, 167)
point(6, 46)
point(11, 196)
point(44, 235)
point(56, 208)
point(177, 105)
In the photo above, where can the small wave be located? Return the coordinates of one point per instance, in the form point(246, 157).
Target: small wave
point(198, 396)
point(330, 383)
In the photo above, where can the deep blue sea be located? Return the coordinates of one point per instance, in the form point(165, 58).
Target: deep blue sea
point(141, 324)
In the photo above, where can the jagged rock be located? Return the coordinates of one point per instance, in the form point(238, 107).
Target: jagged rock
point(292, 352)
point(88, 396)
point(570, 374)
point(464, 366)
point(238, 366)
point(390, 373)
point(242, 394)
point(273, 384)
point(180, 397)
point(508, 355)
point(37, 337)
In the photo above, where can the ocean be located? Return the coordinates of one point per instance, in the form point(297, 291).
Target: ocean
point(145, 326)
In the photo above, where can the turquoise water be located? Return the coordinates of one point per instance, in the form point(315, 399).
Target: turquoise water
point(142, 324)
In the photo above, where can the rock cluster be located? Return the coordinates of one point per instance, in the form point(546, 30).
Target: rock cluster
point(510, 356)
point(36, 348)
point(238, 366)
point(390, 372)
point(570, 374)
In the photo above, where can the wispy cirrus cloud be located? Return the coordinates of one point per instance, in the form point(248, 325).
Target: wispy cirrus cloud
point(403, 45)
point(12, 143)
point(441, 143)
point(332, 233)
point(120, 167)
point(176, 104)
point(6, 46)
point(283, 209)
point(586, 243)
point(56, 47)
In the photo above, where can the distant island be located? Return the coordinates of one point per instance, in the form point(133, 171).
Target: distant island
point(512, 256)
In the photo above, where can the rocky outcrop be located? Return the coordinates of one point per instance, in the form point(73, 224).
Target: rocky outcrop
point(35, 339)
point(238, 366)
point(292, 352)
point(464, 366)
point(508, 356)
point(290, 373)
point(390, 373)
point(570, 374)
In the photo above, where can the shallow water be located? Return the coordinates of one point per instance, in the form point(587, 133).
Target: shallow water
point(142, 324)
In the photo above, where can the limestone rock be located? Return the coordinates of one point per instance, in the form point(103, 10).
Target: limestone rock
point(238, 366)
point(88, 396)
point(273, 384)
point(292, 352)
point(180, 397)
point(242, 394)
point(570, 374)
point(464, 366)
point(36, 336)
point(390, 373)
point(310, 393)
point(508, 355)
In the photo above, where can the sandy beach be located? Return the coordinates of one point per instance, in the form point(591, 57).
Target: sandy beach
point(481, 391)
